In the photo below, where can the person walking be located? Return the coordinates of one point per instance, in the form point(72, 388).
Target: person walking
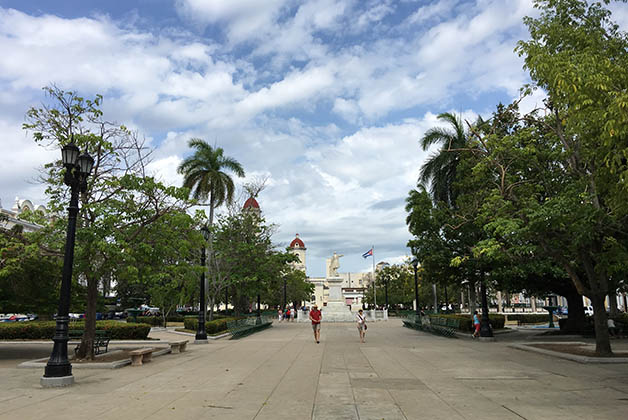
point(280, 314)
point(316, 317)
point(476, 324)
point(361, 325)
point(292, 313)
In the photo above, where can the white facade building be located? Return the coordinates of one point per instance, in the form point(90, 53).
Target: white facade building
point(21, 206)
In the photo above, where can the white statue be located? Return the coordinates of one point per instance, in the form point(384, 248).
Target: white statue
point(334, 264)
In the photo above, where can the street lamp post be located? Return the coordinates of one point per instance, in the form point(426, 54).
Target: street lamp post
point(284, 294)
point(58, 370)
point(201, 334)
point(386, 279)
point(415, 265)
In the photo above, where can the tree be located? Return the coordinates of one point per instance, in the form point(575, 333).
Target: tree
point(166, 262)
point(439, 171)
point(30, 271)
point(297, 287)
point(579, 57)
point(204, 174)
point(120, 203)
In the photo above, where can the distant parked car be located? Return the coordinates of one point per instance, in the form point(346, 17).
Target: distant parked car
point(588, 310)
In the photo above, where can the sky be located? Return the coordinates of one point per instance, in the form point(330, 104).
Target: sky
point(327, 99)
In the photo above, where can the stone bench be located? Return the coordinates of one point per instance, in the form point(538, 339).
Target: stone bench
point(178, 346)
point(141, 355)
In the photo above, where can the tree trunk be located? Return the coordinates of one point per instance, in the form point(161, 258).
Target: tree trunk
point(472, 298)
point(575, 312)
point(485, 325)
point(602, 338)
point(86, 350)
point(612, 302)
point(211, 300)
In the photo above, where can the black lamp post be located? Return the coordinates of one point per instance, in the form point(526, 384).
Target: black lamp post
point(415, 265)
point(285, 297)
point(259, 309)
point(201, 334)
point(386, 279)
point(77, 165)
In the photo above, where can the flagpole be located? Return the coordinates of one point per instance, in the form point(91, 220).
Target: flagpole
point(374, 288)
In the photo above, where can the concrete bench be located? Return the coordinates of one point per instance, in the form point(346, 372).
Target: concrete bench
point(178, 346)
point(141, 355)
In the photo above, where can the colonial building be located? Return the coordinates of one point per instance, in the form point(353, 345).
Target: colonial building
point(20, 207)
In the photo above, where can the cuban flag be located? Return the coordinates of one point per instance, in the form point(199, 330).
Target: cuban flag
point(368, 253)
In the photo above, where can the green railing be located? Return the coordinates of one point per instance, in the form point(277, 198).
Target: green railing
point(445, 327)
point(243, 327)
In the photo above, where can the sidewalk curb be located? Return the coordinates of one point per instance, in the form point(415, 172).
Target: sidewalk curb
point(566, 356)
point(41, 363)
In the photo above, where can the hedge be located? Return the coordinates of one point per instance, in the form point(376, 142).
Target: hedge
point(45, 330)
point(211, 327)
point(466, 321)
point(529, 318)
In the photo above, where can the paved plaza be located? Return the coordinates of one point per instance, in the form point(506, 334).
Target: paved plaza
point(281, 373)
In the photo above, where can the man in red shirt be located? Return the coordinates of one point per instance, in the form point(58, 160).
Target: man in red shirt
point(315, 317)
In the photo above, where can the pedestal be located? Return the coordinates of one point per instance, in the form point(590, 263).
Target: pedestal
point(336, 309)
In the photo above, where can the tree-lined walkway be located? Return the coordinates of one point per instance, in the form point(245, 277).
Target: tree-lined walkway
point(282, 373)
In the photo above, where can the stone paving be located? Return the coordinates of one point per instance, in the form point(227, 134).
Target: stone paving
point(281, 373)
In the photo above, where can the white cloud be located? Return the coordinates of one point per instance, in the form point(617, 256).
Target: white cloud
point(316, 94)
point(245, 19)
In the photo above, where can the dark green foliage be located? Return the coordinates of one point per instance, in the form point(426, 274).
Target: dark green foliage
point(155, 321)
point(212, 327)
point(45, 330)
point(529, 318)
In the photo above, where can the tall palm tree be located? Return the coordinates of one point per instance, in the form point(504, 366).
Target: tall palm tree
point(204, 174)
point(439, 171)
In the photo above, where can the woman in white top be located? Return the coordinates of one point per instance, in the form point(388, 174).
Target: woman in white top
point(361, 325)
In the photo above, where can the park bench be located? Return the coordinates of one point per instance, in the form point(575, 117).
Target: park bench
point(243, 327)
point(139, 356)
point(178, 346)
point(621, 329)
point(100, 344)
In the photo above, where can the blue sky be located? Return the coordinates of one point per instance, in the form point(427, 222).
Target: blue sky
point(325, 98)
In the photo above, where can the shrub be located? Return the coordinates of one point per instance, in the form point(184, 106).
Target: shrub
point(155, 321)
point(529, 318)
point(45, 330)
point(211, 327)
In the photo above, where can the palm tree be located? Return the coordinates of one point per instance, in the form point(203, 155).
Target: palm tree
point(439, 171)
point(204, 174)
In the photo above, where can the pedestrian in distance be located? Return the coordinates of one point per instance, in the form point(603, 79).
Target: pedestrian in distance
point(316, 318)
point(361, 325)
point(280, 314)
point(476, 324)
point(292, 313)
